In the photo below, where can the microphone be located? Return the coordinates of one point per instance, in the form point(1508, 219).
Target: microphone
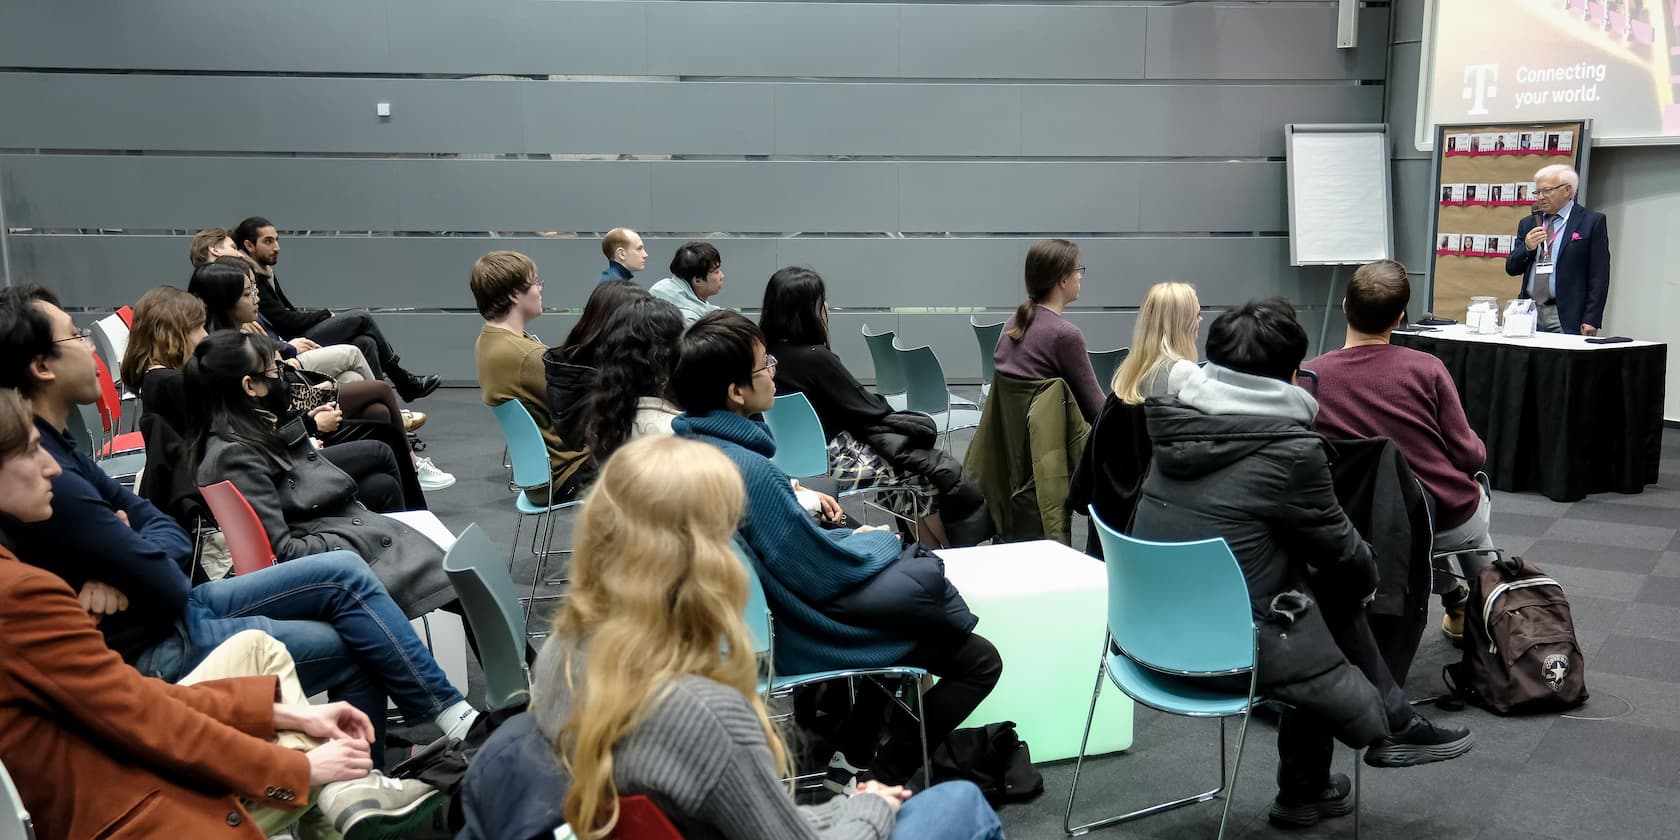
point(1540, 222)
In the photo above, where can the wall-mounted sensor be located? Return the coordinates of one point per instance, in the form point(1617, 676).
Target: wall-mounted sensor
point(383, 109)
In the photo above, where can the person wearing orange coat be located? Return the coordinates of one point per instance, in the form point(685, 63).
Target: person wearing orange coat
point(97, 750)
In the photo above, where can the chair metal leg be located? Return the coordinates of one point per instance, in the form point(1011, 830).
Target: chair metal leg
point(1358, 759)
point(921, 723)
point(1076, 830)
point(1228, 784)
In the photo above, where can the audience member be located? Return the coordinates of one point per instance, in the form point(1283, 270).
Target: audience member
point(869, 444)
point(508, 294)
point(306, 504)
point(349, 408)
point(818, 580)
point(625, 254)
point(211, 244)
point(103, 747)
point(1371, 388)
point(1162, 360)
point(131, 564)
point(258, 239)
point(1038, 343)
point(228, 287)
point(631, 397)
point(648, 686)
point(696, 278)
point(570, 368)
point(1236, 457)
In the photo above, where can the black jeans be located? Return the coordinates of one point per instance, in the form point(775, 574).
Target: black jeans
point(374, 468)
point(356, 327)
point(968, 668)
point(1305, 743)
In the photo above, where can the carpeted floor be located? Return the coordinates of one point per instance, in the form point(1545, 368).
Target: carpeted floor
point(1611, 769)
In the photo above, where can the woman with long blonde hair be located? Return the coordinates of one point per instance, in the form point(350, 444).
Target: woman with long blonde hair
point(649, 684)
point(1163, 352)
point(1161, 362)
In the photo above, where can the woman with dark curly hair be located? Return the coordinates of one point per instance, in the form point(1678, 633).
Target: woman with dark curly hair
point(633, 379)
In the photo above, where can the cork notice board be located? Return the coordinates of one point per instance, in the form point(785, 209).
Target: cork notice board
point(1484, 185)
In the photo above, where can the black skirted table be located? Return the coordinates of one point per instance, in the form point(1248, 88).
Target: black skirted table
point(1559, 416)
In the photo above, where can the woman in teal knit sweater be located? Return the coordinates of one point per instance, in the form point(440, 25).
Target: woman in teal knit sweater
point(723, 378)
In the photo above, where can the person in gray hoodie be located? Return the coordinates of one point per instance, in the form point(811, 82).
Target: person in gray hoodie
point(1235, 456)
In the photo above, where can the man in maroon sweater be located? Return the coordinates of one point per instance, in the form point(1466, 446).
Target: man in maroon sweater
point(1371, 388)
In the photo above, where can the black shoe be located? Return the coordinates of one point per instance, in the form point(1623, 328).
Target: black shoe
point(1421, 742)
point(1336, 800)
point(411, 387)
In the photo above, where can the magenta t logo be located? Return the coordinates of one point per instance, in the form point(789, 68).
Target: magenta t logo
point(1479, 86)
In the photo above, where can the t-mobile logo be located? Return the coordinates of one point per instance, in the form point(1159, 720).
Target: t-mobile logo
point(1479, 86)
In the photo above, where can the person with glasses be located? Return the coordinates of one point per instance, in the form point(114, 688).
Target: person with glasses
point(1236, 457)
point(1038, 343)
point(841, 597)
point(1562, 253)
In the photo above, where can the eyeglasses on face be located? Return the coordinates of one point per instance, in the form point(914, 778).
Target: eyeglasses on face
point(1545, 190)
point(769, 363)
point(83, 334)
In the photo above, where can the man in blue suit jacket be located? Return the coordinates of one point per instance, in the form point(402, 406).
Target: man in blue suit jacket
point(1577, 242)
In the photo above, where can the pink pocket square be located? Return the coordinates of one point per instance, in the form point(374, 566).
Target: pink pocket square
point(1574, 236)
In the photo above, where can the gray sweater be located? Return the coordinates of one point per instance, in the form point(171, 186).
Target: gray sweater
point(702, 757)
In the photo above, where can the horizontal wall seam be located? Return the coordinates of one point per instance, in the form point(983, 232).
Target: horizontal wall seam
point(497, 78)
point(639, 157)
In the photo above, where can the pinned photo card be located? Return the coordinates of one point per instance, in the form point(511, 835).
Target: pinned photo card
point(1496, 194)
point(1524, 194)
point(1509, 143)
point(1458, 192)
point(1566, 142)
point(1530, 141)
point(1458, 144)
point(1450, 244)
point(1472, 194)
point(1511, 197)
point(1473, 244)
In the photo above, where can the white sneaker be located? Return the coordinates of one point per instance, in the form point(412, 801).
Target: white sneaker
point(842, 777)
point(432, 478)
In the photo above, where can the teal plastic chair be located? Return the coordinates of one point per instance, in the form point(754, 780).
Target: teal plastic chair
point(15, 823)
point(802, 448)
point(889, 372)
point(530, 470)
point(761, 626)
point(929, 394)
point(1104, 363)
point(491, 601)
point(986, 335)
point(1177, 611)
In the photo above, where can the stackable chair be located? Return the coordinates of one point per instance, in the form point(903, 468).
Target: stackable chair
point(802, 448)
point(1104, 363)
point(491, 601)
point(247, 539)
point(986, 335)
point(1176, 612)
point(15, 823)
point(529, 456)
point(761, 624)
point(929, 393)
point(889, 372)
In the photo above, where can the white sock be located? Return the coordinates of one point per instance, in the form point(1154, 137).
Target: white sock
point(457, 719)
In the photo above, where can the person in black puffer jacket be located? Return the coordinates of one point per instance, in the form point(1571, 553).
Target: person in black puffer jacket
point(1235, 456)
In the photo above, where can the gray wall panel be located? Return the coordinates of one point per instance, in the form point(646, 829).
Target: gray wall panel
point(1224, 270)
point(773, 39)
point(946, 120)
point(1262, 41)
point(1402, 99)
point(1024, 196)
point(516, 37)
point(1214, 197)
point(657, 118)
point(522, 194)
point(442, 342)
point(1021, 41)
point(774, 197)
point(919, 271)
point(1212, 120)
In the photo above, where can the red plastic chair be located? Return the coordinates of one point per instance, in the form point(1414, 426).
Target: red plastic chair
point(247, 539)
point(126, 313)
point(640, 819)
point(110, 416)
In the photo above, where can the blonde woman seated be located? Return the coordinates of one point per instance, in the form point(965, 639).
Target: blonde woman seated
point(1162, 361)
point(649, 685)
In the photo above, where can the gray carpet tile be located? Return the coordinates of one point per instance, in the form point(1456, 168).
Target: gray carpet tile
point(1618, 557)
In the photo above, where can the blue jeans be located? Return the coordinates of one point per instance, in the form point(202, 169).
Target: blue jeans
point(345, 633)
point(947, 811)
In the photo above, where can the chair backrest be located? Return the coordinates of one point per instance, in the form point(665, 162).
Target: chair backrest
point(757, 613)
point(247, 539)
point(987, 336)
point(126, 313)
point(801, 447)
point(1105, 363)
point(925, 380)
point(15, 823)
point(110, 402)
point(525, 444)
point(115, 338)
point(640, 819)
point(1178, 607)
point(490, 599)
point(889, 371)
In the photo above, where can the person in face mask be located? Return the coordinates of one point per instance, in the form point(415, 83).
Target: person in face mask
point(310, 499)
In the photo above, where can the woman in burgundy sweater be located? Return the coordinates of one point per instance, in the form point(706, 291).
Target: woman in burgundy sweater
point(1038, 343)
point(1371, 388)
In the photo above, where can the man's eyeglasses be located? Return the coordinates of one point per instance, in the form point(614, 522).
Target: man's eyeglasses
point(1545, 190)
point(769, 363)
point(83, 334)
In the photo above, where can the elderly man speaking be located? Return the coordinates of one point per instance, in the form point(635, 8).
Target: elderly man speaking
point(1563, 255)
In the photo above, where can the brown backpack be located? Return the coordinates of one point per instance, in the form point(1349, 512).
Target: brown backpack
point(1520, 652)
